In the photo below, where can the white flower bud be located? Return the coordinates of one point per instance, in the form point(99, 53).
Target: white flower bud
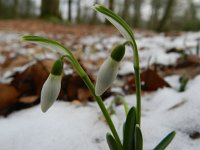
point(106, 75)
point(50, 91)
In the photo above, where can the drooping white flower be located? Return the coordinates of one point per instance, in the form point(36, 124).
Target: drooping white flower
point(106, 75)
point(52, 86)
point(50, 91)
point(109, 69)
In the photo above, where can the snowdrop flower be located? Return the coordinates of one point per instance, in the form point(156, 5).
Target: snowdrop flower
point(52, 85)
point(109, 69)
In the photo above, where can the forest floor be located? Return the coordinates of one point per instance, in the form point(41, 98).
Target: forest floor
point(33, 26)
point(170, 73)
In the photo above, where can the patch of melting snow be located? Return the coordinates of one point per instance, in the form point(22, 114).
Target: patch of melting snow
point(173, 81)
point(9, 36)
point(7, 76)
point(126, 67)
point(113, 40)
point(42, 56)
point(91, 40)
point(2, 59)
point(67, 70)
point(97, 56)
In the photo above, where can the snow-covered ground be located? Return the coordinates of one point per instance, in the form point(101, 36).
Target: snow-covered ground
point(152, 48)
point(72, 126)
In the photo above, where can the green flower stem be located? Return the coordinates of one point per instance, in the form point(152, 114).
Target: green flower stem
point(124, 103)
point(103, 109)
point(136, 63)
point(99, 100)
point(138, 94)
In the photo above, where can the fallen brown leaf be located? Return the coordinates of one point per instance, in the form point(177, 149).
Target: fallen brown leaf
point(30, 81)
point(150, 81)
point(8, 95)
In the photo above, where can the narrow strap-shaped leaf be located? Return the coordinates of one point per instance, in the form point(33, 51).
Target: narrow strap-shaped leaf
point(111, 142)
point(55, 46)
point(48, 43)
point(126, 108)
point(165, 142)
point(129, 130)
point(124, 129)
point(138, 138)
point(116, 20)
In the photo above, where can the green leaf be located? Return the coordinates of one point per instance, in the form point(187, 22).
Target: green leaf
point(124, 128)
point(48, 43)
point(111, 142)
point(116, 20)
point(165, 142)
point(183, 83)
point(138, 138)
point(126, 108)
point(129, 130)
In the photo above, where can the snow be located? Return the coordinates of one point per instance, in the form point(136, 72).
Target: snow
point(73, 127)
point(7, 76)
point(126, 67)
point(184, 119)
point(2, 59)
point(173, 81)
point(65, 126)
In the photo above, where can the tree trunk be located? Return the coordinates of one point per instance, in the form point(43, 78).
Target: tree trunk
point(156, 5)
point(50, 9)
point(125, 11)
point(193, 11)
point(1, 11)
point(137, 13)
point(167, 13)
point(78, 17)
point(69, 10)
point(15, 9)
point(26, 9)
point(111, 5)
point(94, 19)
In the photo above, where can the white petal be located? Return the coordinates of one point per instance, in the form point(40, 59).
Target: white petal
point(106, 75)
point(50, 91)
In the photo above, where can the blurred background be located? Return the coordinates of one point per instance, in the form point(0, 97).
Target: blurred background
point(167, 34)
point(159, 15)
